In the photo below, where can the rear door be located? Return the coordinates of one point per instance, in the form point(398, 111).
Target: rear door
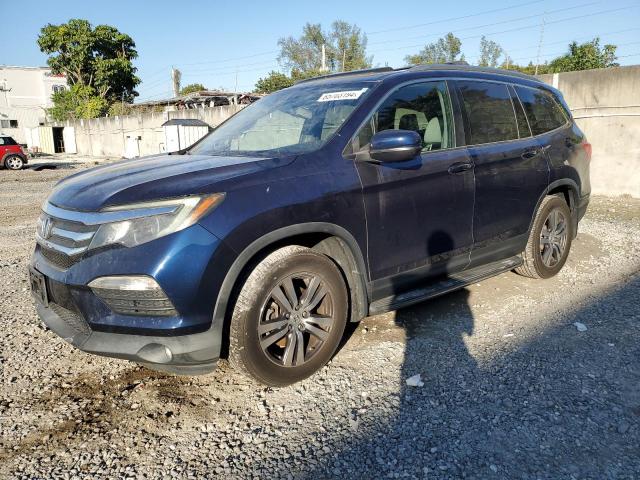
point(511, 169)
point(418, 212)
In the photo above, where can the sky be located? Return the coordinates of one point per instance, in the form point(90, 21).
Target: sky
point(228, 44)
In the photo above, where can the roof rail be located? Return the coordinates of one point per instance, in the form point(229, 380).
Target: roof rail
point(464, 66)
point(345, 74)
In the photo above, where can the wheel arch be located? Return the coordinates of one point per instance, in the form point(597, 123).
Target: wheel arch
point(569, 189)
point(329, 239)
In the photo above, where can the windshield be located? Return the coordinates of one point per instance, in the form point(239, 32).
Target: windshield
point(292, 121)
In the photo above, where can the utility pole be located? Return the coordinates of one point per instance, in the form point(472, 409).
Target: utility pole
point(175, 81)
point(235, 89)
point(323, 64)
point(344, 58)
point(540, 43)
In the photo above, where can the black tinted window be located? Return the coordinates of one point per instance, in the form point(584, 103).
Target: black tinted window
point(542, 110)
point(489, 112)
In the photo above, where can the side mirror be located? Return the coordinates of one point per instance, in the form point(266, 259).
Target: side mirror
point(395, 145)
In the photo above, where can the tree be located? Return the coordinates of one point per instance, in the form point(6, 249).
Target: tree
point(446, 49)
point(273, 82)
point(96, 60)
point(191, 88)
point(586, 56)
point(490, 52)
point(80, 101)
point(345, 49)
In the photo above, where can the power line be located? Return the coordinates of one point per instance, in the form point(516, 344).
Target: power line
point(502, 22)
point(228, 72)
point(566, 19)
point(556, 54)
point(231, 68)
point(230, 59)
point(575, 39)
point(486, 12)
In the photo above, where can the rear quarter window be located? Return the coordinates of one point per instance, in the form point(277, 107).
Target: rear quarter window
point(542, 109)
point(489, 110)
point(7, 141)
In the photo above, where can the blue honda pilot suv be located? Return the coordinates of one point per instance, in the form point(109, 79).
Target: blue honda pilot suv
point(340, 197)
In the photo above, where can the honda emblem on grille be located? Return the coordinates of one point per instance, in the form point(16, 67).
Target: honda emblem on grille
point(47, 225)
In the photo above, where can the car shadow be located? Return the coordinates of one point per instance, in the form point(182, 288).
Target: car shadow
point(548, 403)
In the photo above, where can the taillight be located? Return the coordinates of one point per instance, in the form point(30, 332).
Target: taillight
point(587, 149)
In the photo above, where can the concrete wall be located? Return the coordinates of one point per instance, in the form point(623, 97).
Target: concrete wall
point(606, 106)
point(108, 136)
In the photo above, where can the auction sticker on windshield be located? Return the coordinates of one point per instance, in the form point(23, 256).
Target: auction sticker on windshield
point(346, 95)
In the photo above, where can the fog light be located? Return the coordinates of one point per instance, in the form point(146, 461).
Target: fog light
point(133, 295)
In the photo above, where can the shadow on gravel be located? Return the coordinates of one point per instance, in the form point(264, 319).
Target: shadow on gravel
point(560, 404)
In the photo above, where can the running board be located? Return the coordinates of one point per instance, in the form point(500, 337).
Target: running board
point(446, 285)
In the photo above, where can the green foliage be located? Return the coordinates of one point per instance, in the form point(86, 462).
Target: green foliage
point(446, 49)
point(99, 59)
point(586, 56)
point(119, 109)
point(80, 101)
point(191, 88)
point(490, 52)
point(273, 82)
point(345, 49)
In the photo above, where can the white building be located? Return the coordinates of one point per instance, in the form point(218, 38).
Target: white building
point(25, 94)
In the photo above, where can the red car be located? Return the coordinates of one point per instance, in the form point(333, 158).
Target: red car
point(12, 156)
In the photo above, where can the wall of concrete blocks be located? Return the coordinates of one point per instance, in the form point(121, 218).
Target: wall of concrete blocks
point(606, 105)
point(111, 136)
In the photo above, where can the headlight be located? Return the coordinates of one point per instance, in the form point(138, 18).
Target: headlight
point(150, 220)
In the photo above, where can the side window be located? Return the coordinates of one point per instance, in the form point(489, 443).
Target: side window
point(490, 113)
point(2, 141)
point(424, 108)
point(542, 109)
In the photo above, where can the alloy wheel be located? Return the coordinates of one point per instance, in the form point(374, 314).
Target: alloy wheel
point(296, 319)
point(553, 238)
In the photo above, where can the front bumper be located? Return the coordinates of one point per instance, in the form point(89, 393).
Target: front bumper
point(189, 265)
point(185, 354)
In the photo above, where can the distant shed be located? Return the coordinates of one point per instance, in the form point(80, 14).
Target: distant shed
point(181, 133)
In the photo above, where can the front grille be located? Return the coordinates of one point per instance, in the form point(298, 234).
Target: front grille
point(63, 241)
point(73, 320)
point(58, 259)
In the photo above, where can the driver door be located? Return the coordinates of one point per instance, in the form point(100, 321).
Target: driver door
point(419, 212)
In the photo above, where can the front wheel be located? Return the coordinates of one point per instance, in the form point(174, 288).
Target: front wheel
point(289, 317)
point(549, 241)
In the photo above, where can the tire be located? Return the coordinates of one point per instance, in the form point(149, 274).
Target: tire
point(13, 162)
point(548, 246)
point(266, 326)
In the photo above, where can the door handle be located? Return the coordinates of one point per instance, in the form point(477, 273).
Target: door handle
point(534, 151)
point(459, 167)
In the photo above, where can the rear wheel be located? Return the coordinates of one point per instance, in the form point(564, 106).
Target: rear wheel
point(289, 317)
point(13, 162)
point(549, 241)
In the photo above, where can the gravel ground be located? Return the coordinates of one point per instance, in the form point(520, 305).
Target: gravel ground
point(511, 388)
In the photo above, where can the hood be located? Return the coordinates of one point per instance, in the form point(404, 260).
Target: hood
point(157, 177)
